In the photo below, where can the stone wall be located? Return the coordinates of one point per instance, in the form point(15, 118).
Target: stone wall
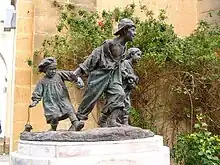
point(46, 17)
point(181, 14)
point(208, 10)
point(24, 50)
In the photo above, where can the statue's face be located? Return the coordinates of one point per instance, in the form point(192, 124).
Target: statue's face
point(51, 71)
point(130, 33)
point(136, 56)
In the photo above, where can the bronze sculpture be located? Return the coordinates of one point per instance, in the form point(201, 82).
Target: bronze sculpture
point(110, 73)
point(52, 89)
point(129, 81)
point(103, 67)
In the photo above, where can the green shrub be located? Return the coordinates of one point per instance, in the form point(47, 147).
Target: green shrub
point(199, 148)
point(79, 32)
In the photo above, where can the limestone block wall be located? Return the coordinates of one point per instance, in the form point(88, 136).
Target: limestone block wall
point(46, 17)
point(181, 14)
point(204, 7)
point(24, 50)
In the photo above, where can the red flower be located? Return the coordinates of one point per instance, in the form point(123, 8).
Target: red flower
point(100, 23)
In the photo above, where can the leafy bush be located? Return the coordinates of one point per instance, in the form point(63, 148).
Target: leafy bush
point(79, 32)
point(199, 148)
point(179, 76)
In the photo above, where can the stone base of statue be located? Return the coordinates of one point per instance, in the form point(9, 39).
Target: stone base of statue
point(101, 146)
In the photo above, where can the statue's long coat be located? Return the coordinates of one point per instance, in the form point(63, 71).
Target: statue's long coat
point(103, 67)
point(55, 96)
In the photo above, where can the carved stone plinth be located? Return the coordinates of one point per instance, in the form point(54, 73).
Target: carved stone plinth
point(108, 146)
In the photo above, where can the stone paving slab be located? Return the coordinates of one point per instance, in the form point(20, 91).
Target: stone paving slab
point(4, 163)
point(4, 158)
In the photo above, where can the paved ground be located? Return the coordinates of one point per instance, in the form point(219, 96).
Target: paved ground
point(4, 160)
point(4, 163)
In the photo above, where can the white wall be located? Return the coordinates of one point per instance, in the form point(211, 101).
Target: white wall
point(7, 70)
point(3, 4)
point(7, 51)
point(3, 95)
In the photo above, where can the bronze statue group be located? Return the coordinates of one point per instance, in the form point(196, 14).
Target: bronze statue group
point(110, 74)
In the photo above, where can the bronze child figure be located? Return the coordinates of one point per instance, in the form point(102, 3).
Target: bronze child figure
point(53, 91)
point(129, 82)
point(103, 67)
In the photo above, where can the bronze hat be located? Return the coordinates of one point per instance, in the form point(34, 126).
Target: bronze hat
point(124, 23)
point(45, 63)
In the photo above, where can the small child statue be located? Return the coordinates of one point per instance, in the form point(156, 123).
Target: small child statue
point(129, 82)
point(53, 91)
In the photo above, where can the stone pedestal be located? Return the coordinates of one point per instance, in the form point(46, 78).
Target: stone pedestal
point(144, 151)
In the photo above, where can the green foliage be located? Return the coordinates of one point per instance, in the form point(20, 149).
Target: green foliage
point(79, 32)
point(158, 40)
point(179, 76)
point(141, 121)
point(199, 148)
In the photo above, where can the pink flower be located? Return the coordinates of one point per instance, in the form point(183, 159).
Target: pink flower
point(100, 23)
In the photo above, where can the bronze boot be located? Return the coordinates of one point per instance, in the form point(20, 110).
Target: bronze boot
point(53, 127)
point(125, 120)
point(76, 126)
point(113, 119)
point(103, 120)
